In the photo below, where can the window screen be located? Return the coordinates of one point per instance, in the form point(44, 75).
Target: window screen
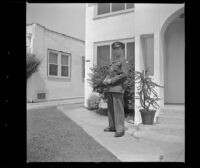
point(148, 52)
point(64, 59)
point(83, 67)
point(103, 8)
point(129, 5)
point(64, 71)
point(53, 63)
point(64, 65)
point(53, 69)
point(118, 6)
point(53, 58)
point(103, 55)
point(131, 52)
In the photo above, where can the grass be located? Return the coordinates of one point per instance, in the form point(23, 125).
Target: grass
point(53, 137)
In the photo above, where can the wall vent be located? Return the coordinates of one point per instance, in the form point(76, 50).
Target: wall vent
point(41, 96)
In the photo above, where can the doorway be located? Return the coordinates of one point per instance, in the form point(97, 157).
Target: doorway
point(174, 55)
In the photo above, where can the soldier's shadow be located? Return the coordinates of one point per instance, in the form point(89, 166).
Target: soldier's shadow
point(102, 111)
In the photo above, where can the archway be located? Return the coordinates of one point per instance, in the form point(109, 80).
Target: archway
point(173, 53)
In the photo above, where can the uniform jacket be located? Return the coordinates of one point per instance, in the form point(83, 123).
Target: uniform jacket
point(117, 73)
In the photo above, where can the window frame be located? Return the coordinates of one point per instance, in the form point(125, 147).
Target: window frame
point(83, 68)
point(68, 55)
point(102, 43)
point(142, 38)
point(53, 51)
point(59, 64)
point(111, 13)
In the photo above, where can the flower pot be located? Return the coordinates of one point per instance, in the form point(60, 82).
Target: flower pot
point(147, 116)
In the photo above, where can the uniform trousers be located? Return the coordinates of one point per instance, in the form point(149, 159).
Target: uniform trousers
point(116, 111)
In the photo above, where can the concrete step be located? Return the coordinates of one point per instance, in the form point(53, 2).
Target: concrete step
point(172, 113)
point(172, 116)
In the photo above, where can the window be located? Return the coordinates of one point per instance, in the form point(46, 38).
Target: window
point(130, 52)
point(64, 65)
point(59, 64)
point(129, 5)
point(118, 6)
point(109, 8)
point(103, 55)
point(53, 63)
point(83, 67)
point(104, 51)
point(148, 52)
point(103, 8)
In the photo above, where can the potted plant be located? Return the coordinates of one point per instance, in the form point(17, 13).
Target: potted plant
point(148, 96)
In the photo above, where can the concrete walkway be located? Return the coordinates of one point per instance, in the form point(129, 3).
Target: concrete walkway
point(54, 103)
point(159, 142)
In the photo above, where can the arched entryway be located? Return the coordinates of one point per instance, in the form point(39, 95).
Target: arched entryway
point(173, 34)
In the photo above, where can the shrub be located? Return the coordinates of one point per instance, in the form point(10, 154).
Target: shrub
point(99, 73)
point(96, 79)
point(32, 64)
point(93, 102)
point(129, 85)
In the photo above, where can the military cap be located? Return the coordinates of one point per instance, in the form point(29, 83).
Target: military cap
point(118, 45)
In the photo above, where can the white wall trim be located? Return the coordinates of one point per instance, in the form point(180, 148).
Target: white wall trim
point(64, 98)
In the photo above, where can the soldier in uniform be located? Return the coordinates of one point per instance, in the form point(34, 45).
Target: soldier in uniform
point(114, 90)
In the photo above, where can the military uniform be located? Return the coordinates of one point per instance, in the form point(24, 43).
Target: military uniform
point(114, 94)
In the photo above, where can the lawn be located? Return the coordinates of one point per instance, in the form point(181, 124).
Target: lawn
point(53, 137)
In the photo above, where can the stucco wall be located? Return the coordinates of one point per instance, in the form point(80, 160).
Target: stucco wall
point(114, 27)
point(29, 43)
point(146, 19)
point(58, 88)
point(149, 19)
point(175, 53)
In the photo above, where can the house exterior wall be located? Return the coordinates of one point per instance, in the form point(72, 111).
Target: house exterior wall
point(116, 27)
point(55, 87)
point(149, 19)
point(146, 19)
point(174, 51)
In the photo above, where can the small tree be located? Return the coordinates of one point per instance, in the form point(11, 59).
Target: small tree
point(146, 90)
point(96, 79)
point(32, 64)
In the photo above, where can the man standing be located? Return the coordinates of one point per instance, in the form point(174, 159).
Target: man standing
point(114, 91)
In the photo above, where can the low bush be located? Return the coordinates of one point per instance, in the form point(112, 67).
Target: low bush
point(32, 64)
point(96, 79)
point(99, 73)
point(93, 102)
point(129, 85)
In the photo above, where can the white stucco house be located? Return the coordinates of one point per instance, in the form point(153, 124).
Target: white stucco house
point(154, 37)
point(61, 72)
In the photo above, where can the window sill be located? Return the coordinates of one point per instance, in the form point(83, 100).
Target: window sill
point(113, 14)
point(59, 78)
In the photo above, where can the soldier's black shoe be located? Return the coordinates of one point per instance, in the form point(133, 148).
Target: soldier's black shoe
point(108, 129)
point(119, 134)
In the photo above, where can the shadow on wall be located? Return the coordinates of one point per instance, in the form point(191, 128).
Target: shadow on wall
point(35, 84)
